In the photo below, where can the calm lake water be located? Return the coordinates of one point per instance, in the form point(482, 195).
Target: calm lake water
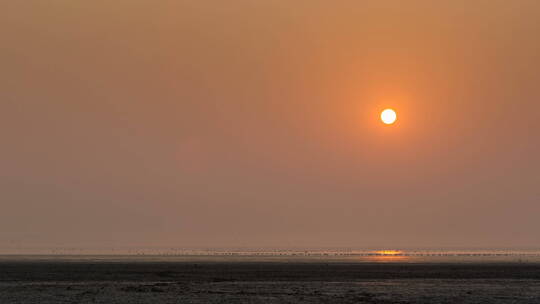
point(280, 255)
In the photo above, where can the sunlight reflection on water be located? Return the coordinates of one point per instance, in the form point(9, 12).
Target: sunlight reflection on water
point(388, 258)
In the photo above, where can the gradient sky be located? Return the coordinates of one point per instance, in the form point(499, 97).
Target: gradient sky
point(256, 123)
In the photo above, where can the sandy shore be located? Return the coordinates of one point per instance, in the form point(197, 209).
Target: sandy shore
point(266, 282)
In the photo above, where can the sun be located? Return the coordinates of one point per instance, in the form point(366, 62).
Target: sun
point(388, 116)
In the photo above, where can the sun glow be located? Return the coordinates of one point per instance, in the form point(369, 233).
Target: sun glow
point(388, 116)
point(389, 252)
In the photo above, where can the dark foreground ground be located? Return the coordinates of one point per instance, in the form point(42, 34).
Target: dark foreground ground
point(266, 282)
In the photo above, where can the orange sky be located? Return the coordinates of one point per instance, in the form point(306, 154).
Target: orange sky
point(256, 123)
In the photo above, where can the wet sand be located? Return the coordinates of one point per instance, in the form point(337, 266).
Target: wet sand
point(87, 281)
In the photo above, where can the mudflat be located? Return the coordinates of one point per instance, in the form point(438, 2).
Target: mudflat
point(87, 281)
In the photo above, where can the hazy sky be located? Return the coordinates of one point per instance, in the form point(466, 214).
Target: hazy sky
point(256, 123)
